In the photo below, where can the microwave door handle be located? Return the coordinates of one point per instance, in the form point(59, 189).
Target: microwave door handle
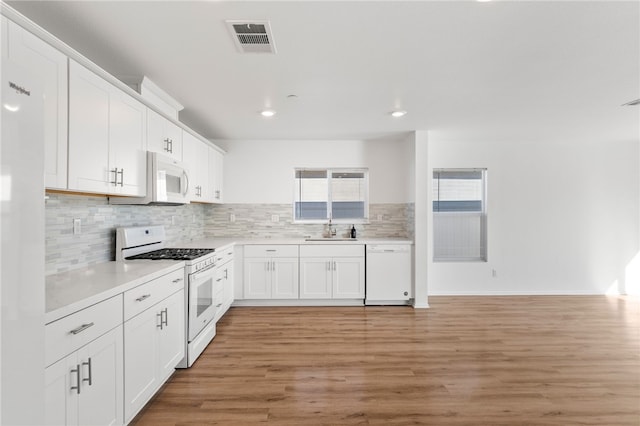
point(186, 176)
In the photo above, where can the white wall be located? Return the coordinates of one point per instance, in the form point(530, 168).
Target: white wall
point(563, 218)
point(262, 171)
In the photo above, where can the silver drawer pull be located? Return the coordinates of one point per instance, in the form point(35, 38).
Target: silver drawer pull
point(271, 250)
point(82, 328)
point(177, 280)
point(143, 297)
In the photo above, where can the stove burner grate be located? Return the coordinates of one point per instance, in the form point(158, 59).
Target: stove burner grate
point(173, 254)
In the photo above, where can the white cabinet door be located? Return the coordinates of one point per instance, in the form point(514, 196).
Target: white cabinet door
point(154, 342)
point(285, 278)
point(107, 136)
point(315, 278)
point(86, 387)
point(348, 278)
point(127, 143)
point(88, 131)
point(195, 154)
point(229, 289)
point(172, 335)
point(163, 136)
point(50, 65)
point(257, 278)
point(102, 380)
point(216, 166)
point(61, 402)
point(141, 359)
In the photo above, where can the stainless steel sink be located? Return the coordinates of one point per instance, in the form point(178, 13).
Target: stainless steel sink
point(331, 239)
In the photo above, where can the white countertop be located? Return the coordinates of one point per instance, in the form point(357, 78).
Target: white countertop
point(68, 292)
point(218, 243)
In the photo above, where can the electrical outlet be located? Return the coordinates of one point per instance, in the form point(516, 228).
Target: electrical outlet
point(232, 217)
point(275, 218)
point(77, 226)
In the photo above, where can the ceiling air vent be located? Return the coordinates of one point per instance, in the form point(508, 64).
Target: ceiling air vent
point(252, 36)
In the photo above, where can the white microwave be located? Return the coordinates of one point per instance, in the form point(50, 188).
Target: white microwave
point(167, 183)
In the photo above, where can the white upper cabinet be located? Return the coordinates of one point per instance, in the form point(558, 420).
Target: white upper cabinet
point(216, 167)
point(163, 136)
point(107, 136)
point(195, 154)
point(50, 66)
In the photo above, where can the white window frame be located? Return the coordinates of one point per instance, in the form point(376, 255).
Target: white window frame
point(484, 244)
point(330, 171)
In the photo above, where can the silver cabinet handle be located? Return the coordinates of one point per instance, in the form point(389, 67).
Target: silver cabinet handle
point(177, 280)
point(271, 250)
point(217, 194)
point(82, 328)
point(268, 266)
point(114, 182)
point(121, 173)
point(273, 265)
point(77, 386)
point(159, 315)
point(226, 274)
point(143, 297)
point(334, 265)
point(166, 316)
point(88, 379)
point(218, 305)
point(218, 280)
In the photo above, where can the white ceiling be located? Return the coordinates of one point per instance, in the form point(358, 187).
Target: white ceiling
point(462, 69)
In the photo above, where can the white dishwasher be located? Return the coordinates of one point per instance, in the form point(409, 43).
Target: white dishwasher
point(388, 274)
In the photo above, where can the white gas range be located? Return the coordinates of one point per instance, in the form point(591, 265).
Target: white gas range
point(148, 243)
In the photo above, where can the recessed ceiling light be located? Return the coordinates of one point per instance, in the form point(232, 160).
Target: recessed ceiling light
point(268, 113)
point(398, 113)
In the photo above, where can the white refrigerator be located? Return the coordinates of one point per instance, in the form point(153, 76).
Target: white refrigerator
point(22, 300)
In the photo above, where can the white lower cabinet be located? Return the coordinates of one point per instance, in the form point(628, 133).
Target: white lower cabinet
point(224, 287)
point(85, 387)
point(271, 278)
point(332, 272)
point(153, 346)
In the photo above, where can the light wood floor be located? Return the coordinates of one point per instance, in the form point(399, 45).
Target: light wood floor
point(466, 361)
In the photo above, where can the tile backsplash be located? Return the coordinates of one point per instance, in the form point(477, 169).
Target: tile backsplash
point(257, 221)
point(99, 220)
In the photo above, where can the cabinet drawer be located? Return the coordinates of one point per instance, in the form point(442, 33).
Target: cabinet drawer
point(270, 250)
point(70, 333)
point(224, 255)
point(146, 295)
point(332, 250)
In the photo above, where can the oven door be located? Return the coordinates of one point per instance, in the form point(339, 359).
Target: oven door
point(202, 307)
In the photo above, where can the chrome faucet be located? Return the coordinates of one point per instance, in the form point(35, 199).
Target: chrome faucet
point(332, 230)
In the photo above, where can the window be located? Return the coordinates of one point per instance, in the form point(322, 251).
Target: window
point(459, 215)
point(337, 194)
